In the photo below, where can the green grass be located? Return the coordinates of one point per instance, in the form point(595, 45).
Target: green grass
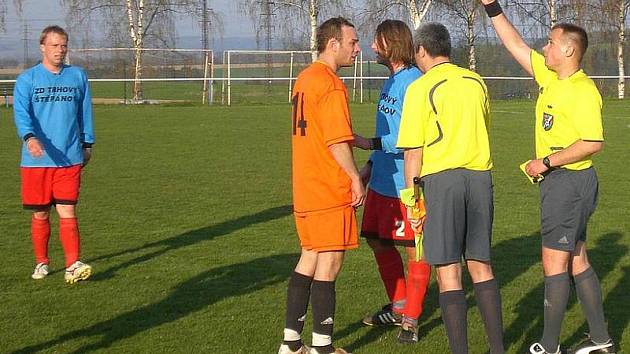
point(184, 90)
point(250, 92)
point(185, 215)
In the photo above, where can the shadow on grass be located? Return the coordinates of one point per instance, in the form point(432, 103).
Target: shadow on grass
point(189, 238)
point(616, 311)
point(186, 298)
point(616, 308)
point(510, 258)
point(529, 323)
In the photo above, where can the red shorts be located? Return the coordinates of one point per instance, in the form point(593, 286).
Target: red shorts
point(45, 186)
point(385, 218)
point(334, 230)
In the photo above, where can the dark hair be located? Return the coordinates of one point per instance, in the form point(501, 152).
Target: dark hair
point(434, 38)
point(52, 29)
point(397, 36)
point(331, 28)
point(577, 34)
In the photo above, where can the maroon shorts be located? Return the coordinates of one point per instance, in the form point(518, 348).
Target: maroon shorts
point(45, 186)
point(385, 218)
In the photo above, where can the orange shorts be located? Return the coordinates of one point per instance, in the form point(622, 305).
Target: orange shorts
point(45, 186)
point(334, 230)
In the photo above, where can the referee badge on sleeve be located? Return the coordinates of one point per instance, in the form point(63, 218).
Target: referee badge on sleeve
point(547, 121)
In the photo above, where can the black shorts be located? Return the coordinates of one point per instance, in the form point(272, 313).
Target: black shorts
point(460, 210)
point(567, 200)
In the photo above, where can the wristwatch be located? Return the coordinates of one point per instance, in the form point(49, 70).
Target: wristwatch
point(546, 162)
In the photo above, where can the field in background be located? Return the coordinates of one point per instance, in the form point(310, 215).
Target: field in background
point(250, 92)
point(185, 215)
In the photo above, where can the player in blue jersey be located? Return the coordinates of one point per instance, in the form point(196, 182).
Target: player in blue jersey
point(53, 116)
point(384, 219)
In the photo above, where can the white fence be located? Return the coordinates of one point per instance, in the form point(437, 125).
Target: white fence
point(362, 88)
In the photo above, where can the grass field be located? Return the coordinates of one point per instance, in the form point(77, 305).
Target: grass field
point(185, 215)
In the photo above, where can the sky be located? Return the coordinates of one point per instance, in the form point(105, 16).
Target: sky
point(39, 13)
point(238, 29)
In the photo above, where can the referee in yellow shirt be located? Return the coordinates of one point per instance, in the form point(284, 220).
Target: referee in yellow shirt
point(568, 132)
point(444, 131)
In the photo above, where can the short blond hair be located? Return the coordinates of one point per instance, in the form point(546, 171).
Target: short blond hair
point(52, 29)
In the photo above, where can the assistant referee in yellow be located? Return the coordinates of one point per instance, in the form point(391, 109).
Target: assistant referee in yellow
point(444, 131)
point(568, 132)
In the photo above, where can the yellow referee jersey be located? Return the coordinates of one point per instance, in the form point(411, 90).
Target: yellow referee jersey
point(446, 112)
point(566, 111)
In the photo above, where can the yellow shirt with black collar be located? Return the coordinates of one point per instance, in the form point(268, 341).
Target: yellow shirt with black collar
point(566, 111)
point(446, 112)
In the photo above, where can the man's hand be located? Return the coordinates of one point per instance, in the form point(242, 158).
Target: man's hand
point(342, 153)
point(486, 2)
point(34, 147)
point(358, 193)
point(87, 155)
point(535, 168)
point(361, 142)
point(365, 174)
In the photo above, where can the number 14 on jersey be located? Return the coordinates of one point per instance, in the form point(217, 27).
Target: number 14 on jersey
point(298, 114)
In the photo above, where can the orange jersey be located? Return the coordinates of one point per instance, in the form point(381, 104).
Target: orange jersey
point(320, 118)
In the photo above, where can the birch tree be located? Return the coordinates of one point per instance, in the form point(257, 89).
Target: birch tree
point(622, 13)
point(543, 12)
point(3, 11)
point(467, 13)
point(294, 14)
point(140, 19)
point(609, 17)
point(136, 22)
point(378, 10)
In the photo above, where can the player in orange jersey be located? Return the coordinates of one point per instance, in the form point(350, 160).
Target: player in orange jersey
point(326, 187)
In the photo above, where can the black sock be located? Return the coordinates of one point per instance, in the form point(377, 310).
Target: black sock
point(590, 294)
point(323, 302)
point(326, 349)
point(489, 303)
point(556, 297)
point(454, 316)
point(298, 293)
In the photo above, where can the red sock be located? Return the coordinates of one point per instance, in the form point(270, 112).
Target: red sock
point(418, 277)
point(69, 235)
point(390, 267)
point(40, 234)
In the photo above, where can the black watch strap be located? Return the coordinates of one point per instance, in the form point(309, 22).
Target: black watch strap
point(376, 144)
point(546, 161)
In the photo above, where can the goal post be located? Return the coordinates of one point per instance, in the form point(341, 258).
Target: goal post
point(251, 69)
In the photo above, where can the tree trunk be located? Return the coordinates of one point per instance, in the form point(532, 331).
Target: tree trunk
point(553, 14)
point(621, 84)
point(136, 32)
point(470, 37)
point(417, 13)
point(313, 13)
point(137, 83)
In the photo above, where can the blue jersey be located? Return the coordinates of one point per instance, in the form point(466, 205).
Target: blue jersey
point(57, 110)
point(388, 164)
